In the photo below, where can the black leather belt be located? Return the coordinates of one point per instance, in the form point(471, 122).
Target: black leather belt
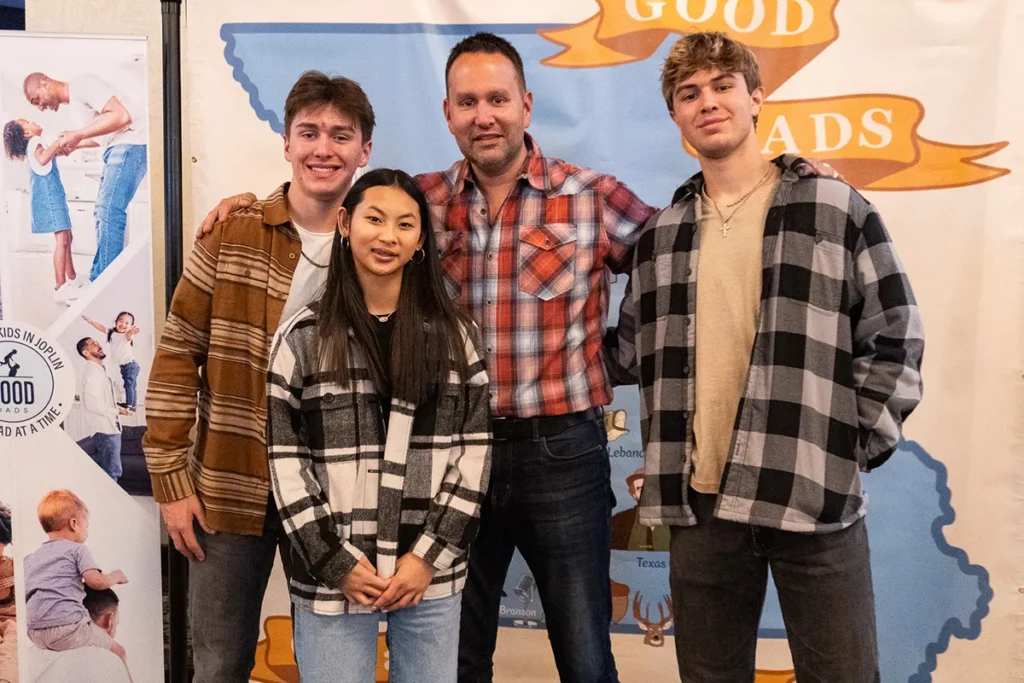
point(512, 428)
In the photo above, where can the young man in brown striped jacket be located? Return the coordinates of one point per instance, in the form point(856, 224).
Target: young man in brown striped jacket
point(250, 273)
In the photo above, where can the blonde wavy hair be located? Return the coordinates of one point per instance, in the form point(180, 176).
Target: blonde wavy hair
point(707, 51)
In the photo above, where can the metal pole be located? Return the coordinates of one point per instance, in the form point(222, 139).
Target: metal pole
point(174, 258)
point(177, 566)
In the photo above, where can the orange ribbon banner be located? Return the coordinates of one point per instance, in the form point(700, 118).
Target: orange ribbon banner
point(787, 32)
point(872, 140)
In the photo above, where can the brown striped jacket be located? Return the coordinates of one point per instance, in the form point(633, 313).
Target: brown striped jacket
point(212, 358)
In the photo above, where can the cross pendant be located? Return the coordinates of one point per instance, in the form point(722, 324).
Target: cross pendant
point(725, 229)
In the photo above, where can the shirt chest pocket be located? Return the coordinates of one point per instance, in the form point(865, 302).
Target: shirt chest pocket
point(814, 270)
point(332, 421)
point(547, 259)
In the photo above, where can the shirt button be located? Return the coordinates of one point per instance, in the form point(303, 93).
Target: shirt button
point(488, 302)
point(490, 256)
point(328, 398)
point(689, 271)
point(483, 212)
point(686, 416)
point(292, 255)
point(686, 321)
point(686, 372)
point(490, 349)
point(817, 238)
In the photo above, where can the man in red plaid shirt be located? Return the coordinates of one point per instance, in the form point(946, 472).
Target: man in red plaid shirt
point(527, 242)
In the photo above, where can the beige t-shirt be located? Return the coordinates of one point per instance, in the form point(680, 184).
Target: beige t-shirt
point(728, 300)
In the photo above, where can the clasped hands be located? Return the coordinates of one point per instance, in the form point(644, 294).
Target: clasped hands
point(69, 141)
point(412, 577)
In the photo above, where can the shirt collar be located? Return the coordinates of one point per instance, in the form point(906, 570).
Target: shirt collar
point(275, 207)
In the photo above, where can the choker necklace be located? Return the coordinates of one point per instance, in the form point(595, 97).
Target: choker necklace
point(318, 265)
point(383, 318)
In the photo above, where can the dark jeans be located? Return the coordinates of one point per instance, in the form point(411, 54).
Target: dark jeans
point(105, 450)
point(225, 598)
point(719, 573)
point(551, 499)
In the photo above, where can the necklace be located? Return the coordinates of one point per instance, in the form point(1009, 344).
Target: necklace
point(382, 318)
point(318, 265)
point(739, 202)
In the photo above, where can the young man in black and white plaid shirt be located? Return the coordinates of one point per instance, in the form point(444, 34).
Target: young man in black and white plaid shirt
point(778, 347)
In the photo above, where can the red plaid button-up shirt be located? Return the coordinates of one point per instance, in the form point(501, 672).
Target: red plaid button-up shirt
point(536, 281)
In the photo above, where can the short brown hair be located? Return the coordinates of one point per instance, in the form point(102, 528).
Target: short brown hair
point(315, 89)
point(58, 508)
point(707, 51)
point(490, 44)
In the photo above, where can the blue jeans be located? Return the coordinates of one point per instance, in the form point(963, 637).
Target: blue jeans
point(225, 598)
point(130, 373)
point(105, 450)
point(423, 644)
point(124, 167)
point(550, 497)
point(718, 573)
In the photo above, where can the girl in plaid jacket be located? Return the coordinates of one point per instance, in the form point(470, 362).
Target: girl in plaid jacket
point(379, 442)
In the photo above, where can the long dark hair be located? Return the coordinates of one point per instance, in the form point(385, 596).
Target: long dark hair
point(428, 333)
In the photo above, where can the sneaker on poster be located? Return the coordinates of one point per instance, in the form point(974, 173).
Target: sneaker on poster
point(66, 293)
point(76, 290)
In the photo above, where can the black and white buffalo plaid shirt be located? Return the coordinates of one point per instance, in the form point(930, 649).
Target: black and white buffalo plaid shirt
point(347, 487)
point(834, 370)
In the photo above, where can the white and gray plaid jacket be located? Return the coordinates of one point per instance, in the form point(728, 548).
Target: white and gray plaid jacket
point(834, 370)
point(347, 487)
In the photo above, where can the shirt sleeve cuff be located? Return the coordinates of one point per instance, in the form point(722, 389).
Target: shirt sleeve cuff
point(432, 551)
point(332, 572)
point(172, 486)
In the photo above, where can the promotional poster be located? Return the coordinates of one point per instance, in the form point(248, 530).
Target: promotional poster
point(76, 344)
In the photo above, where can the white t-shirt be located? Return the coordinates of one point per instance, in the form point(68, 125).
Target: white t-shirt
point(37, 168)
point(121, 351)
point(311, 270)
point(89, 94)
